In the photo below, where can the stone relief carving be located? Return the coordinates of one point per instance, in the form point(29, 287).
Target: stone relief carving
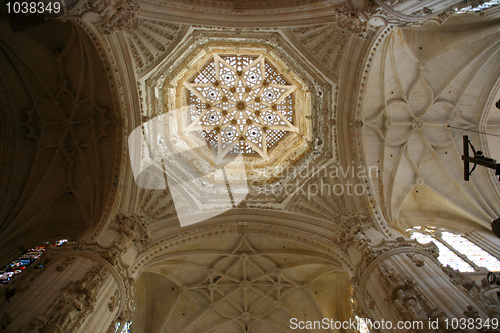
point(65, 263)
point(478, 293)
point(132, 229)
point(75, 302)
point(132, 232)
point(417, 261)
point(350, 230)
point(67, 314)
point(459, 279)
point(370, 302)
point(373, 251)
point(107, 15)
point(404, 295)
point(114, 301)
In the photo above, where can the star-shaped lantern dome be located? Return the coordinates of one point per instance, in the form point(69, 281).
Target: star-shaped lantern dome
point(242, 98)
point(242, 104)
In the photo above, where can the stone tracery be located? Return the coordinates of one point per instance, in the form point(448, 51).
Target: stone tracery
point(242, 105)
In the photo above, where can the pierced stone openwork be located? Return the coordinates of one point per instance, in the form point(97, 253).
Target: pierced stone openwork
point(244, 99)
point(242, 104)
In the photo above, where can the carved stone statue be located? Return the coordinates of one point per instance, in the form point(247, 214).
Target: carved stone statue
point(408, 304)
point(70, 313)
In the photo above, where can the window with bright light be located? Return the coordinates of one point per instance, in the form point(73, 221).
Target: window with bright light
point(455, 250)
point(478, 8)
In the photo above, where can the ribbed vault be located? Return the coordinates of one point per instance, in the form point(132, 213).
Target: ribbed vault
point(61, 142)
point(428, 88)
point(244, 282)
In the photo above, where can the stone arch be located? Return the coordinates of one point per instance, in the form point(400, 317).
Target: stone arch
point(241, 278)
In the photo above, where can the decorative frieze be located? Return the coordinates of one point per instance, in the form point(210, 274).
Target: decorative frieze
point(385, 248)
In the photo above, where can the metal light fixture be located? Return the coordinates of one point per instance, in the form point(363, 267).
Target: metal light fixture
point(478, 158)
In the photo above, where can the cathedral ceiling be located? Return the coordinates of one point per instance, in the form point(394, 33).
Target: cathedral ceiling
point(426, 87)
point(415, 85)
point(60, 136)
point(65, 143)
point(244, 282)
point(282, 195)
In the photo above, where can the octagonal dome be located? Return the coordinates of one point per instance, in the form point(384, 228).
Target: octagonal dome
point(242, 104)
point(242, 93)
point(245, 101)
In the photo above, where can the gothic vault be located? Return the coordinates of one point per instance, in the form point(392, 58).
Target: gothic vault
point(240, 166)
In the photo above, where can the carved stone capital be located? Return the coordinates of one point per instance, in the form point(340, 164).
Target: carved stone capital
point(107, 15)
point(350, 230)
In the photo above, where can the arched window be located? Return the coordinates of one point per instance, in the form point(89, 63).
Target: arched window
point(455, 250)
point(18, 265)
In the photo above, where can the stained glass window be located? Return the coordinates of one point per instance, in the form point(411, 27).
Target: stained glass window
point(242, 104)
point(455, 250)
point(125, 329)
point(18, 265)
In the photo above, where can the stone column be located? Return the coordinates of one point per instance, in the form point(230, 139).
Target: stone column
point(401, 281)
point(78, 287)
